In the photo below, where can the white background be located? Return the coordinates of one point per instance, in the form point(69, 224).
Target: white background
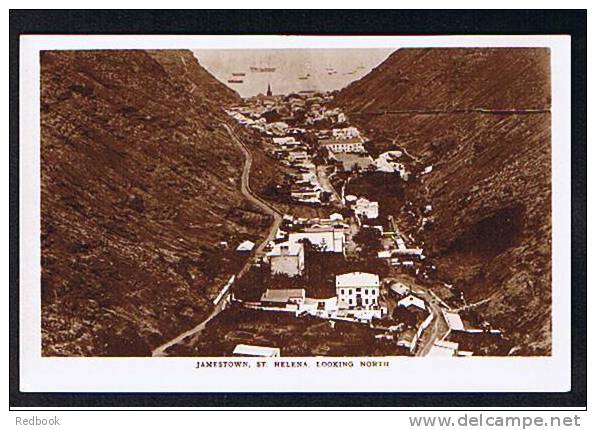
point(249, 420)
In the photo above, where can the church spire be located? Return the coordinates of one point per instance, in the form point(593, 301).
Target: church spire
point(269, 94)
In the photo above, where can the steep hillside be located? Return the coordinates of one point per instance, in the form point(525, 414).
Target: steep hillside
point(481, 118)
point(139, 183)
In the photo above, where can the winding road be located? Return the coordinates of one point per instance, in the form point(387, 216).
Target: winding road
point(161, 350)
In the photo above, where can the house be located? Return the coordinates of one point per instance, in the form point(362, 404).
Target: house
point(366, 209)
point(295, 296)
point(454, 321)
point(350, 161)
point(342, 145)
point(411, 300)
point(245, 246)
point(256, 351)
point(322, 308)
point(295, 156)
point(387, 162)
point(442, 348)
point(286, 142)
point(400, 289)
point(306, 194)
point(336, 217)
point(357, 290)
point(287, 258)
point(346, 133)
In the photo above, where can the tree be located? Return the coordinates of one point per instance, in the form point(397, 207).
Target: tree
point(403, 315)
point(369, 239)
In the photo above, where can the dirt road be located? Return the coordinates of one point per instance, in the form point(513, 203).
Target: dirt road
point(188, 335)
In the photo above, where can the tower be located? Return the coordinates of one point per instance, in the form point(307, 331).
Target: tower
point(269, 94)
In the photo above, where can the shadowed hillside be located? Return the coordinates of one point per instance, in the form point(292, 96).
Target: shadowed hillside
point(139, 183)
point(481, 119)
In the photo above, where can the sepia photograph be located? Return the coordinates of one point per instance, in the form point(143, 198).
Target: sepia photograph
point(223, 214)
point(297, 202)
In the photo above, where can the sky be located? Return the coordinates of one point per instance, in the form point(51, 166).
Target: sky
point(290, 64)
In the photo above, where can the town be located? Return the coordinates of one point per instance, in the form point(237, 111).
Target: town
point(350, 264)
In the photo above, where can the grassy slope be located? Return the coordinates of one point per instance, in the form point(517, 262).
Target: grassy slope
point(490, 185)
point(139, 182)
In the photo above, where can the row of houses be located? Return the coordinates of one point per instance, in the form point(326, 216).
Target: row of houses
point(357, 298)
point(287, 255)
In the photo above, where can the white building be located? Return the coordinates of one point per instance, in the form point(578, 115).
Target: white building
point(286, 142)
point(245, 246)
point(287, 258)
point(256, 351)
point(347, 145)
point(326, 239)
point(411, 300)
point(388, 162)
point(357, 290)
point(365, 208)
point(284, 297)
point(442, 348)
point(346, 133)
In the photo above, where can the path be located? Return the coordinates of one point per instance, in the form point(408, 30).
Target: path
point(161, 350)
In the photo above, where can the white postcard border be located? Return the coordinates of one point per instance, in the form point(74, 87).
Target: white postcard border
point(404, 374)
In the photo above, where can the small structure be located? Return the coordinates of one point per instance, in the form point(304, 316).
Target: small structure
point(246, 246)
point(256, 351)
point(411, 300)
point(454, 321)
point(366, 209)
point(295, 296)
point(442, 348)
point(336, 217)
point(346, 133)
point(400, 289)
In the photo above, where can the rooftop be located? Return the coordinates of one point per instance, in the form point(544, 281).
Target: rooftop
point(411, 300)
point(256, 351)
point(247, 245)
point(357, 279)
point(454, 320)
point(283, 296)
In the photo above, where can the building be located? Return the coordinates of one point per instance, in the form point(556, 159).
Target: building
point(295, 296)
point(357, 290)
point(346, 133)
point(325, 239)
point(287, 258)
point(342, 145)
point(246, 246)
point(410, 301)
point(400, 289)
point(285, 141)
point(388, 162)
point(256, 351)
point(269, 92)
point(454, 321)
point(366, 209)
point(442, 348)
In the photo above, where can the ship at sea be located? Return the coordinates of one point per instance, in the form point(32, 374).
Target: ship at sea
point(238, 74)
point(235, 81)
point(262, 69)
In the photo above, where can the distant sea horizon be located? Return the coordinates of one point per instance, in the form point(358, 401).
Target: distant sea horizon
point(320, 69)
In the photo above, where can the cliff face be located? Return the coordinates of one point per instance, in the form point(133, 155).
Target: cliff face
point(481, 118)
point(139, 183)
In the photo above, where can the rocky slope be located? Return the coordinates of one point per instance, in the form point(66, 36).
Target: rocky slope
point(139, 183)
point(481, 118)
